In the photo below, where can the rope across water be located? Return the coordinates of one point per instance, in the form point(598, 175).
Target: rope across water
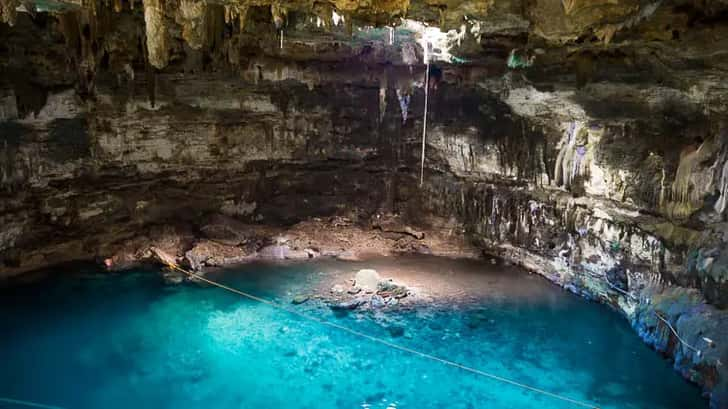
point(657, 314)
point(674, 331)
point(19, 402)
point(385, 342)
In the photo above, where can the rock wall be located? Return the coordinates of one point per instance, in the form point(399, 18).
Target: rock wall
point(603, 222)
point(601, 252)
point(621, 207)
point(76, 179)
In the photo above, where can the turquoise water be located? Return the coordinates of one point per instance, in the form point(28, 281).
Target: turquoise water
point(126, 340)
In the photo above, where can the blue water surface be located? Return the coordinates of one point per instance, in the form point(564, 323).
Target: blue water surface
point(128, 340)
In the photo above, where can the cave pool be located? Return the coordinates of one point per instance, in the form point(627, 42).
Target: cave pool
point(80, 338)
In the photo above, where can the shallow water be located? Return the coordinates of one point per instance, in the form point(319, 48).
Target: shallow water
point(128, 340)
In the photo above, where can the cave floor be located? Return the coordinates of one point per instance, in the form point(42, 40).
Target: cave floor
point(128, 339)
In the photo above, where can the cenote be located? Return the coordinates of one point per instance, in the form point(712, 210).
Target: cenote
point(87, 339)
point(490, 204)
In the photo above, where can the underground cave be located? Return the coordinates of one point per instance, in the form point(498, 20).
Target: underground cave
point(371, 204)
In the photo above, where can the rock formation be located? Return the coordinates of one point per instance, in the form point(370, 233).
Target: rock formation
point(585, 140)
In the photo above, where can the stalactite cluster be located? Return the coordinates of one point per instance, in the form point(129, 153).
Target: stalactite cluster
point(692, 183)
point(279, 14)
point(8, 11)
point(192, 16)
point(239, 12)
point(84, 31)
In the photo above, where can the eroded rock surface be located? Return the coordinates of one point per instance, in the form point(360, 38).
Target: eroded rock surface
point(368, 291)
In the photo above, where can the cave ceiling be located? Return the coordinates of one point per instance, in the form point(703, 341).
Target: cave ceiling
point(659, 57)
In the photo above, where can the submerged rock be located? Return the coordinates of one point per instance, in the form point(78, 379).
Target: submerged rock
point(300, 299)
point(338, 289)
point(395, 331)
point(390, 289)
point(349, 305)
point(173, 277)
point(377, 301)
point(367, 279)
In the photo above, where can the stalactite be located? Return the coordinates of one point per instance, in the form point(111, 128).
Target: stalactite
point(229, 14)
point(404, 99)
point(579, 154)
point(232, 13)
point(233, 51)
point(70, 28)
point(349, 24)
point(83, 31)
point(242, 16)
point(90, 5)
point(279, 14)
point(569, 6)
point(8, 12)
point(606, 33)
point(191, 15)
point(409, 55)
point(692, 181)
point(156, 33)
point(325, 14)
point(561, 160)
point(150, 78)
point(681, 191)
point(215, 27)
point(572, 160)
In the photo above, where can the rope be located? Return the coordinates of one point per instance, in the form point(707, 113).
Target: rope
point(424, 120)
point(672, 329)
point(682, 341)
point(616, 288)
point(384, 342)
point(28, 403)
point(660, 317)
